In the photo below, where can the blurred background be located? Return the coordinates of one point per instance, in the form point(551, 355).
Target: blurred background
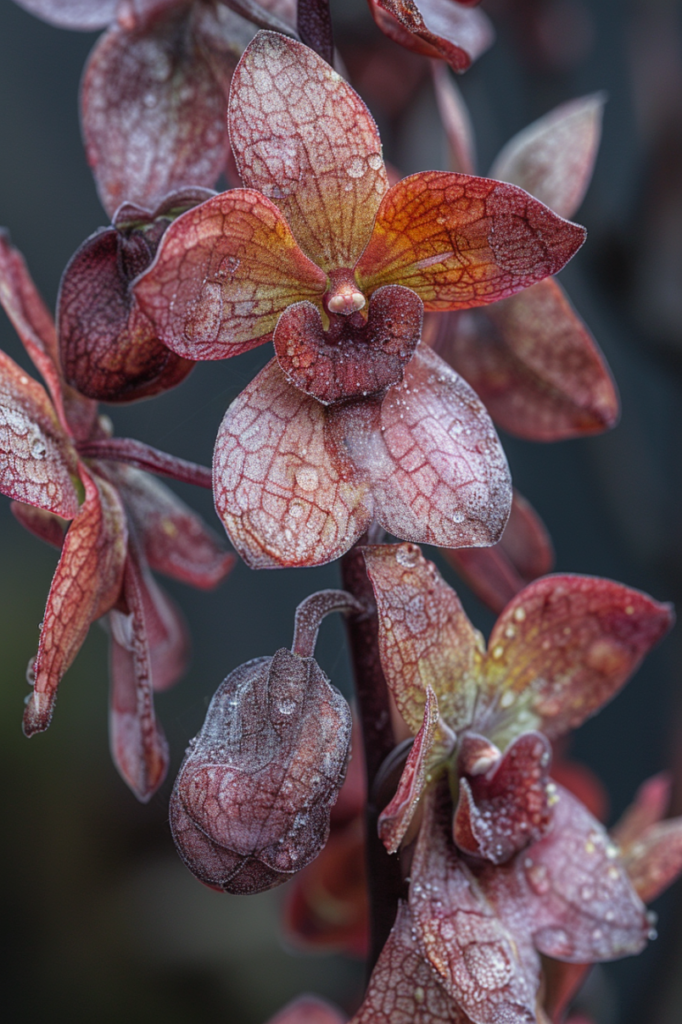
point(101, 920)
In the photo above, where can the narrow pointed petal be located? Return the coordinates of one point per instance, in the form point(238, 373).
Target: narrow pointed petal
point(45, 525)
point(403, 988)
point(138, 746)
point(497, 574)
point(37, 460)
point(564, 647)
point(223, 274)
point(167, 634)
point(395, 818)
point(650, 805)
point(553, 158)
point(75, 14)
point(284, 489)
point(474, 955)
point(143, 456)
point(175, 540)
point(425, 637)
point(460, 241)
point(309, 1010)
point(436, 466)
point(655, 860)
point(573, 890)
point(86, 584)
point(435, 28)
point(305, 139)
point(456, 121)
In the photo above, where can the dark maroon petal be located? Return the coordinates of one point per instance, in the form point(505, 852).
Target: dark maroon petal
point(355, 357)
point(76, 14)
point(436, 28)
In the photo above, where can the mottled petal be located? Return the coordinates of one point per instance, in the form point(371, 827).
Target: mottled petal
point(460, 241)
point(553, 157)
point(436, 467)
point(456, 121)
point(395, 818)
point(425, 637)
point(75, 14)
point(283, 487)
point(86, 584)
point(305, 139)
point(309, 1010)
point(564, 647)
point(45, 525)
point(223, 274)
point(436, 28)
point(37, 459)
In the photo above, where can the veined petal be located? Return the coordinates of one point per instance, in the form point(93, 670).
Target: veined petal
point(460, 241)
point(425, 637)
point(553, 158)
point(75, 14)
point(38, 460)
point(305, 139)
point(223, 274)
point(86, 584)
point(309, 1010)
point(284, 489)
point(435, 28)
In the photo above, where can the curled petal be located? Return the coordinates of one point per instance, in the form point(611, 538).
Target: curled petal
point(355, 357)
point(553, 158)
point(223, 274)
point(175, 540)
point(86, 584)
point(456, 121)
point(138, 746)
point(283, 487)
point(45, 525)
point(37, 459)
point(306, 140)
point(435, 28)
point(308, 1010)
point(460, 241)
point(425, 637)
point(563, 647)
point(437, 469)
point(76, 14)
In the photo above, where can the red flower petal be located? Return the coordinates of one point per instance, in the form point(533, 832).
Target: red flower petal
point(354, 357)
point(43, 525)
point(138, 746)
point(460, 241)
point(86, 584)
point(167, 634)
point(649, 806)
point(553, 158)
point(496, 574)
point(308, 1010)
point(37, 459)
point(456, 121)
point(283, 487)
point(655, 860)
point(223, 274)
point(436, 28)
point(76, 14)
point(535, 365)
point(305, 139)
point(564, 647)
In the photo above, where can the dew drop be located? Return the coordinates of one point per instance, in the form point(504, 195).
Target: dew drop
point(307, 478)
point(287, 707)
point(356, 168)
point(407, 555)
point(38, 448)
point(520, 614)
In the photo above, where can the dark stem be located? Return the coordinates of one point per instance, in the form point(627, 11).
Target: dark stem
point(314, 24)
point(383, 871)
point(143, 456)
point(310, 613)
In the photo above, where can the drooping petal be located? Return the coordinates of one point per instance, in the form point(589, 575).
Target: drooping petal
point(167, 634)
point(37, 460)
point(223, 274)
point(456, 121)
point(403, 988)
point(75, 14)
point(355, 357)
point(535, 365)
point(45, 525)
point(497, 574)
point(425, 637)
point(473, 953)
point(283, 488)
point(309, 1010)
point(435, 28)
point(138, 745)
point(395, 818)
point(305, 139)
point(562, 648)
point(460, 241)
point(175, 540)
point(436, 467)
point(573, 891)
point(553, 158)
point(86, 584)
point(502, 811)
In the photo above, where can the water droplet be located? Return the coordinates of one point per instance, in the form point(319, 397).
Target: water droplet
point(296, 509)
point(458, 517)
point(507, 699)
point(374, 160)
point(538, 879)
point(419, 995)
point(356, 168)
point(307, 478)
point(407, 555)
point(498, 652)
point(520, 613)
point(287, 707)
point(38, 448)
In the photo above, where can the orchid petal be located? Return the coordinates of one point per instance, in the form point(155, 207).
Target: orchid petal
point(305, 139)
point(553, 158)
point(564, 647)
point(435, 28)
point(44, 525)
point(456, 121)
point(283, 487)
point(223, 274)
point(309, 1010)
point(75, 14)
point(86, 584)
point(647, 809)
point(167, 634)
point(655, 860)
point(460, 241)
